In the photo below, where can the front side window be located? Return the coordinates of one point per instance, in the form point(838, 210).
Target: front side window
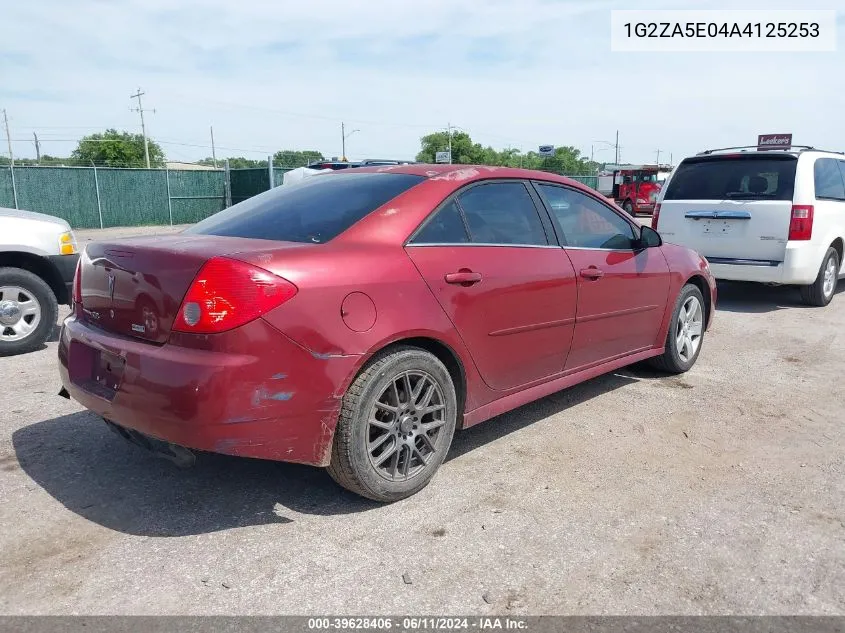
point(502, 213)
point(828, 179)
point(585, 222)
point(313, 210)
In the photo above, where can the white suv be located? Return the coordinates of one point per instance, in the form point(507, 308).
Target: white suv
point(38, 257)
point(772, 216)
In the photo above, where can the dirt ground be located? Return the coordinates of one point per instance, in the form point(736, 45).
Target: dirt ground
point(718, 492)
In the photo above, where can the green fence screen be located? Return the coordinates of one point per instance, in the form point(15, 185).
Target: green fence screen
point(108, 197)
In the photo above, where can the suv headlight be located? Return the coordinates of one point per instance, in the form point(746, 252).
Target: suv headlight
point(67, 243)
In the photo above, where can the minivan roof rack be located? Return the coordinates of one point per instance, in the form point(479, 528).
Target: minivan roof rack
point(755, 147)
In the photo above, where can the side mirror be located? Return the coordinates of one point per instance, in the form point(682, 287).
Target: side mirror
point(649, 238)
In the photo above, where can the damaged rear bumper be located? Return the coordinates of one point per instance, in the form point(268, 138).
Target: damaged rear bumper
point(271, 400)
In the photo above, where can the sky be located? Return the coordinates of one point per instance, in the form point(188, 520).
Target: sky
point(284, 75)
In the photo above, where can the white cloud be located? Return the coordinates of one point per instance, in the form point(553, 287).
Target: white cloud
point(273, 75)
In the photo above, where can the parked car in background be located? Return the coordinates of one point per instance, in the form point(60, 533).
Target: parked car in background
point(38, 257)
point(354, 320)
point(368, 162)
point(773, 216)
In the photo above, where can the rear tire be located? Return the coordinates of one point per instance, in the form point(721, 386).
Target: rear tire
point(628, 208)
point(821, 291)
point(28, 311)
point(379, 451)
point(686, 333)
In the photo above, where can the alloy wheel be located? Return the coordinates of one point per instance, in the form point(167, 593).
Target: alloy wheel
point(689, 328)
point(404, 426)
point(20, 313)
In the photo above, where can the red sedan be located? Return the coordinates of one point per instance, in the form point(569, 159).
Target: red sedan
point(354, 320)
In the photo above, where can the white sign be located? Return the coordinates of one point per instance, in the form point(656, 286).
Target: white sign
point(547, 150)
point(443, 157)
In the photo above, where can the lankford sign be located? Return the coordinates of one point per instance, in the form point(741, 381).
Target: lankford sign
point(774, 141)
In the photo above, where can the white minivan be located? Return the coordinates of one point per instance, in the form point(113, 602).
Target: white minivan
point(772, 216)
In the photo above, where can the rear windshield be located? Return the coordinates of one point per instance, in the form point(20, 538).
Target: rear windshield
point(313, 210)
point(733, 178)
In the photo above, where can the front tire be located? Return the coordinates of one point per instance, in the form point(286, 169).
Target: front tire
point(28, 311)
point(395, 426)
point(686, 333)
point(820, 292)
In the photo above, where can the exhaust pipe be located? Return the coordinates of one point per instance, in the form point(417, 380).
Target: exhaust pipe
point(179, 455)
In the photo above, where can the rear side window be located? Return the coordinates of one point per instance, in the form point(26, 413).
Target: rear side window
point(733, 178)
point(828, 179)
point(313, 210)
point(502, 213)
point(446, 227)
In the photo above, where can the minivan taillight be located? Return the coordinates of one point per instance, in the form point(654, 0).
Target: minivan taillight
point(655, 215)
point(76, 291)
point(227, 293)
point(801, 223)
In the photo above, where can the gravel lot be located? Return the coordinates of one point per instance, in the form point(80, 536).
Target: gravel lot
point(722, 491)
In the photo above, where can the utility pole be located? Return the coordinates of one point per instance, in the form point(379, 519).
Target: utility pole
point(449, 130)
point(37, 148)
point(8, 138)
point(658, 157)
point(140, 110)
point(213, 151)
point(617, 147)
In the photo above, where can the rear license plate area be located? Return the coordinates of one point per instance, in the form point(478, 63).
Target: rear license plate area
point(96, 371)
point(716, 228)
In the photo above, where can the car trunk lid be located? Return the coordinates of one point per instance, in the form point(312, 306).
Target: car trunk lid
point(134, 287)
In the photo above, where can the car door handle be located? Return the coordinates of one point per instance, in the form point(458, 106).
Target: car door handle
point(592, 273)
point(463, 277)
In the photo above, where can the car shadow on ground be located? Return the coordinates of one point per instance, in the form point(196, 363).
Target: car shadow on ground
point(749, 297)
point(99, 476)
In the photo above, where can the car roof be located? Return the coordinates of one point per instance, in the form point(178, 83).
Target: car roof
point(470, 173)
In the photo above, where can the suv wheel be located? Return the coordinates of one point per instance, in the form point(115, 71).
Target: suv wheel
point(820, 292)
point(28, 311)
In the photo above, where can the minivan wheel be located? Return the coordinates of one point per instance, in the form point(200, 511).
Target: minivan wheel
point(820, 292)
point(395, 426)
point(28, 311)
point(686, 333)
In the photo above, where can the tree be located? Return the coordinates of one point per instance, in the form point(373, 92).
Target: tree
point(295, 158)
point(566, 160)
point(117, 149)
point(235, 162)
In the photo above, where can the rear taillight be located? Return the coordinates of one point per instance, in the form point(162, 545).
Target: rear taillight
point(76, 293)
point(227, 293)
point(801, 223)
point(655, 215)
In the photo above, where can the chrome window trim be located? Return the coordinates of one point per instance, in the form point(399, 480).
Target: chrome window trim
point(412, 244)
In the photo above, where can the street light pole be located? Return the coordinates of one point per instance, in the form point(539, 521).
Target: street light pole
point(345, 136)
